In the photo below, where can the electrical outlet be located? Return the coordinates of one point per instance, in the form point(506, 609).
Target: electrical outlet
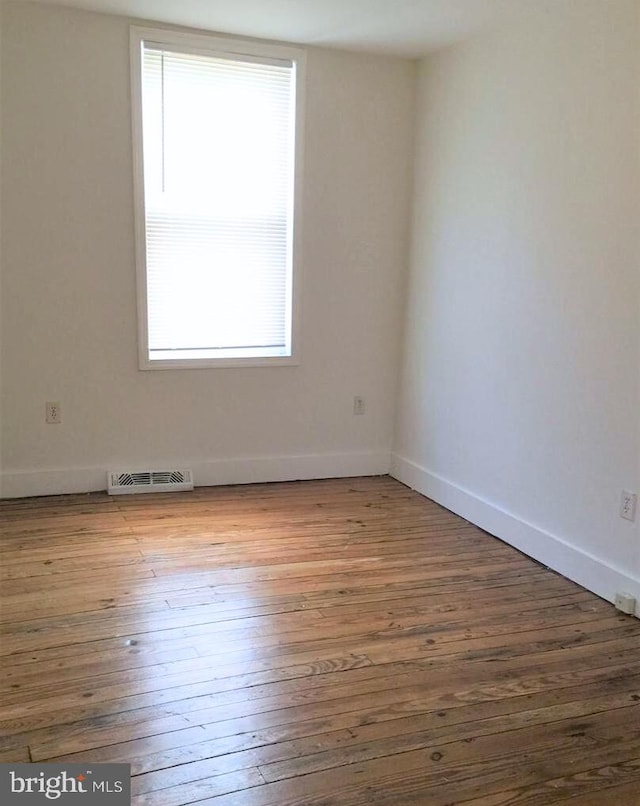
point(628, 505)
point(53, 413)
point(358, 405)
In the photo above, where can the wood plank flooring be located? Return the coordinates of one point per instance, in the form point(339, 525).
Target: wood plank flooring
point(312, 643)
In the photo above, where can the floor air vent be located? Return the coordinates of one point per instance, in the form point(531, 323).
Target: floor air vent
point(148, 481)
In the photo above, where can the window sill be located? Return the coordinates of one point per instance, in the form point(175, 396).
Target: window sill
point(218, 363)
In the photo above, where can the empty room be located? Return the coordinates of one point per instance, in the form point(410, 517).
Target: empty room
point(319, 402)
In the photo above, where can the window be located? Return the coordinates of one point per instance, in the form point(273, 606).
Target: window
point(217, 133)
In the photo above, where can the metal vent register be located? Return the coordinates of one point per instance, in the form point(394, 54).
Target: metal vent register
point(121, 482)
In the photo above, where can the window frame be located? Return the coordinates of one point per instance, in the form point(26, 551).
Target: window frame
point(211, 45)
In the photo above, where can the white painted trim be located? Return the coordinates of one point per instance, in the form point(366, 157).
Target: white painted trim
point(216, 45)
point(60, 481)
point(140, 231)
point(587, 570)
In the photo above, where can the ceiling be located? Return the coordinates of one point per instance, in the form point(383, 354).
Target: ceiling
point(401, 27)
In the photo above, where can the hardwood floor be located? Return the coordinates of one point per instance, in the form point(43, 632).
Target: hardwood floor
point(318, 643)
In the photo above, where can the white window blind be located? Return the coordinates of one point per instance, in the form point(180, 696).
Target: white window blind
point(218, 148)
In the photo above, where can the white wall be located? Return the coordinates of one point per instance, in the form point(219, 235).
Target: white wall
point(519, 405)
point(1, 121)
point(69, 320)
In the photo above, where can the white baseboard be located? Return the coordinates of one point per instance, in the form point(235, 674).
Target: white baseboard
point(587, 570)
point(591, 572)
point(61, 481)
